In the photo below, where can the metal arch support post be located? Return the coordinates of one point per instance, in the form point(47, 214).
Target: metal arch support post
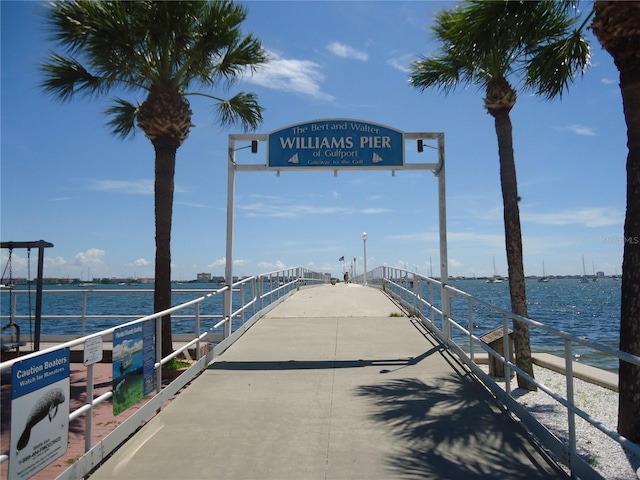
point(442, 221)
point(231, 185)
point(228, 270)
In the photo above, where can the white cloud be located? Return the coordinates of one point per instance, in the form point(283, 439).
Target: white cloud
point(136, 187)
point(140, 262)
point(285, 210)
point(345, 51)
point(290, 75)
point(589, 217)
point(469, 237)
point(54, 263)
point(579, 130)
point(278, 265)
point(220, 262)
point(374, 211)
point(139, 187)
point(191, 204)
point(455, 263)
point(608, 81)
point(92, 258)
point(402, 63)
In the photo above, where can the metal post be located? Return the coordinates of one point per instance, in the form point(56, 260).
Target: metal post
point(364, 241)
point(198, 331)
point(36, 343)
point(442, 221)
point(571, 426)
point(228, 271)
point(88, 425)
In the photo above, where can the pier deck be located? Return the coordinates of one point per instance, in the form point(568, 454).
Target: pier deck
point(330, 386)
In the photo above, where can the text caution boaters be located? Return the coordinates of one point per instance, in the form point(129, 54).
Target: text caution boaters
point(335, 144)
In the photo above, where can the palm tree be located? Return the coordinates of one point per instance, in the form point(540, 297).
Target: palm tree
point(487, 43)
point(615, 24)
point(159, 49)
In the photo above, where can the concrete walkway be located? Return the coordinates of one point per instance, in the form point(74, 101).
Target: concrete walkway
point(329, 385)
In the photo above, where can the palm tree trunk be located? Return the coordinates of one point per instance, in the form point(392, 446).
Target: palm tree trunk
point(164, 186)
point(629, 375)
point(513, 239)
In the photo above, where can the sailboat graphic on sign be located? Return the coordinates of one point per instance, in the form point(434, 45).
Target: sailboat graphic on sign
point(376, 158)
point(294, 159)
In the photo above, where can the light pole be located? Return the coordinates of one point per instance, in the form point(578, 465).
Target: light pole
point(364, 242)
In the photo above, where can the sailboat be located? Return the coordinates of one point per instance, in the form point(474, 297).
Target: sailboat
point(496, 278)
point(544, 277)
point(584, 278)
point(89, 282)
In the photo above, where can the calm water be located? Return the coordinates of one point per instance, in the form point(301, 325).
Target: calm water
point(68, 300)
point(590, 310)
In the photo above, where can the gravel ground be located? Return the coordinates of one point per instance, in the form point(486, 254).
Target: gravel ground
point(603, 453)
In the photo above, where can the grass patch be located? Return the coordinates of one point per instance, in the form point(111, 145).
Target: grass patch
point(396, 314)
point(175, 364)
point(73, 460)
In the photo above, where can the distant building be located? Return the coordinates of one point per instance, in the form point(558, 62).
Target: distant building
point(600, 274)
point(204, 277)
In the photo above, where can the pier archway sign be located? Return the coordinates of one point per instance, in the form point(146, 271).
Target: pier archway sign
point(335, 144)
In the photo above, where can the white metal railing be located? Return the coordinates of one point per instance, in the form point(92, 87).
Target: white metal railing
point(423, 297)
point(252, 297)
point(249, 295)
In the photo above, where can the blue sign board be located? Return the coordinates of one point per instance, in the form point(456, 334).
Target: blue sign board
point(39, 412)
point(335, 144)
point(133, 364)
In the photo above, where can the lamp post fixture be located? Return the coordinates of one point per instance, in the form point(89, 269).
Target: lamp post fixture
point(364, 242)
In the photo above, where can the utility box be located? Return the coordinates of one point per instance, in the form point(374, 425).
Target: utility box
point(495, 339)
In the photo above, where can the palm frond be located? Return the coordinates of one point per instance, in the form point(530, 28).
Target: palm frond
point(248, 52)
point(219, 51)
point(124, 115)
point(482, 40)
point(242, 108)
point(152, 46)
point(109, 38)
point(64, 77)
point(435, 72)
point(554, 65)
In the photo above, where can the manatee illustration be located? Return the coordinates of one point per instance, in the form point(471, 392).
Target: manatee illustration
point(120, 398)
point(46, 406)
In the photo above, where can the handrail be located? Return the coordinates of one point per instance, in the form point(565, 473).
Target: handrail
point(95, 454)
point(406, 287)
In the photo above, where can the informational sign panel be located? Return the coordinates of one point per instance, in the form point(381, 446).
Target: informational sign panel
point(335, 144)
point(93, 351)
point(133, 360)
point(39, 412)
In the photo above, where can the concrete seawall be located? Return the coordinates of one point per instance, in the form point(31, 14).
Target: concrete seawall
point(597, 376)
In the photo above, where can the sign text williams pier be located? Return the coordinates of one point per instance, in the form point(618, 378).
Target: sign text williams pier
point(335, 144)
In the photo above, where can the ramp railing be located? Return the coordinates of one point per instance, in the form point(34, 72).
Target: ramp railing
point(252, 298)
point(423, 298)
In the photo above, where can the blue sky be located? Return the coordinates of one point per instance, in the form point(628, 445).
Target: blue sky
point(67, 180)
